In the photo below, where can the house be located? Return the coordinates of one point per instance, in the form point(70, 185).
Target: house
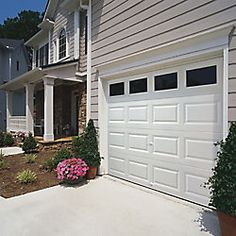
point(160, 85)
point(14, 61)
point(163, 89)
point(56, 86)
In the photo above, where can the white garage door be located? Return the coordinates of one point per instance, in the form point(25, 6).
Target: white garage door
point(162, 127)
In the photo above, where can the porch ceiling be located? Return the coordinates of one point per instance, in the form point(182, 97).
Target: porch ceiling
point(29, 77)
point(61, 72)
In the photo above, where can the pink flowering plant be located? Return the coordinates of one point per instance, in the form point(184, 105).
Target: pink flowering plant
point(71, 169)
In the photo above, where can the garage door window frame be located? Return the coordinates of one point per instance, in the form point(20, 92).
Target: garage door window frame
point(166, 72)
point(199, 65)
point(145, 76)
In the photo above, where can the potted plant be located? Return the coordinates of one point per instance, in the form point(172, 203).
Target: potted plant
point(86, 146)
point(71, 171)
point(222, 184)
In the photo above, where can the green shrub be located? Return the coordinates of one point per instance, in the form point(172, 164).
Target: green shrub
point(3, 162)
point(1, 139)
point(77, 143)
point(29, 144)
point(49, 164)
point(222, 184)
point(30, 158)
point(26, 176)
point(86, 146)
point(8, 140)
point(61, 155)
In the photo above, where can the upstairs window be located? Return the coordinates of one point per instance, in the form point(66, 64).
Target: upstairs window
point(42, 56)
point(17, 65)
point(37, 58)
point(62, 44)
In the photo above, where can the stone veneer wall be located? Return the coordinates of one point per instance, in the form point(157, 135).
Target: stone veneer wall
point(82, 107)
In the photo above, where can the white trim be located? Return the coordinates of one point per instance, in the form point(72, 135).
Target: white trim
point(225, 91)
point(89, 59)
point(34, 59)
point(76, 33)
point(9, 66)
point(103, 124)
point(49, 45)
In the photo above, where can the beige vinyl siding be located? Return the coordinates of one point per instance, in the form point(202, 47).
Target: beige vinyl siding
point(62, 19)
point(232, 79)
point(153, 32)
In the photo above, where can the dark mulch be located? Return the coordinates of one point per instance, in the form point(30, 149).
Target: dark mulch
point(9, 187)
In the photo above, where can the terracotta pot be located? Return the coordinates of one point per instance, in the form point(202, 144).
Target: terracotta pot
point(91, 173)
point(227, 224)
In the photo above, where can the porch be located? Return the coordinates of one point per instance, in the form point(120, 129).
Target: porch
point(55, 102)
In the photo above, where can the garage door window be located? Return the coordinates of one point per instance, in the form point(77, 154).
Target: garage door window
point(117, 89)
point(201, 76)
point(167, 81)
point(138, 86)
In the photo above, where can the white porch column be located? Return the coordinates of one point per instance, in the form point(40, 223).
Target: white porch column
point(29, 92)
point(9, 106)
point(48, 109)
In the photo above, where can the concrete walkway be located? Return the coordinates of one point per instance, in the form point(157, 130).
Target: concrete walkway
point(8, 151)
point(104, 207)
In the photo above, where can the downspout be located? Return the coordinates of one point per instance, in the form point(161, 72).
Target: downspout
point(89, 61)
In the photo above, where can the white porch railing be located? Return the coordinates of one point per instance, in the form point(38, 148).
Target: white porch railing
point(17, 123)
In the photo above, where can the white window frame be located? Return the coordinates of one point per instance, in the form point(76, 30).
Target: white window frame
point(76, 33)
point(67, 44)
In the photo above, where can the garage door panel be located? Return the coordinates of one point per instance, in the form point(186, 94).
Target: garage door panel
point(138, 170)
point(193, 188)
point(138, 114)
point(116, 115)
point(138, 142)
point(166, 178)
point(165, 139)
point(165, 114)
point(117, 165)
point(117, 140)
point(196, 149)
point(166, 145)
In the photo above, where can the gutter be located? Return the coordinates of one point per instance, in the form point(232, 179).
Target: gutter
point(89, 59)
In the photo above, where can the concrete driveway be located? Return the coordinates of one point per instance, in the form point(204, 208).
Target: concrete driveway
point(104, 207)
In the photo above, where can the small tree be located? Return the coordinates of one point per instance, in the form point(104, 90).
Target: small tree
point(222, 184)
point(1, 139)
point(86, 146)
point(29, 144)
point(8, 140)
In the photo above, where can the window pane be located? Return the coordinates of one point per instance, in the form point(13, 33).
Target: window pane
point(201, 76)
point(62, 44)
point(41, 56)
point(46, 54)
point(117, 89)
point(167, 81)
point(138, 86)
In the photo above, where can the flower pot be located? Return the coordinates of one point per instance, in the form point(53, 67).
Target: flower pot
point(227, 224)
point(73, 182)
point(91, 173)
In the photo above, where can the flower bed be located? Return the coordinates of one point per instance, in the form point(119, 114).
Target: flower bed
point(9, 186)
